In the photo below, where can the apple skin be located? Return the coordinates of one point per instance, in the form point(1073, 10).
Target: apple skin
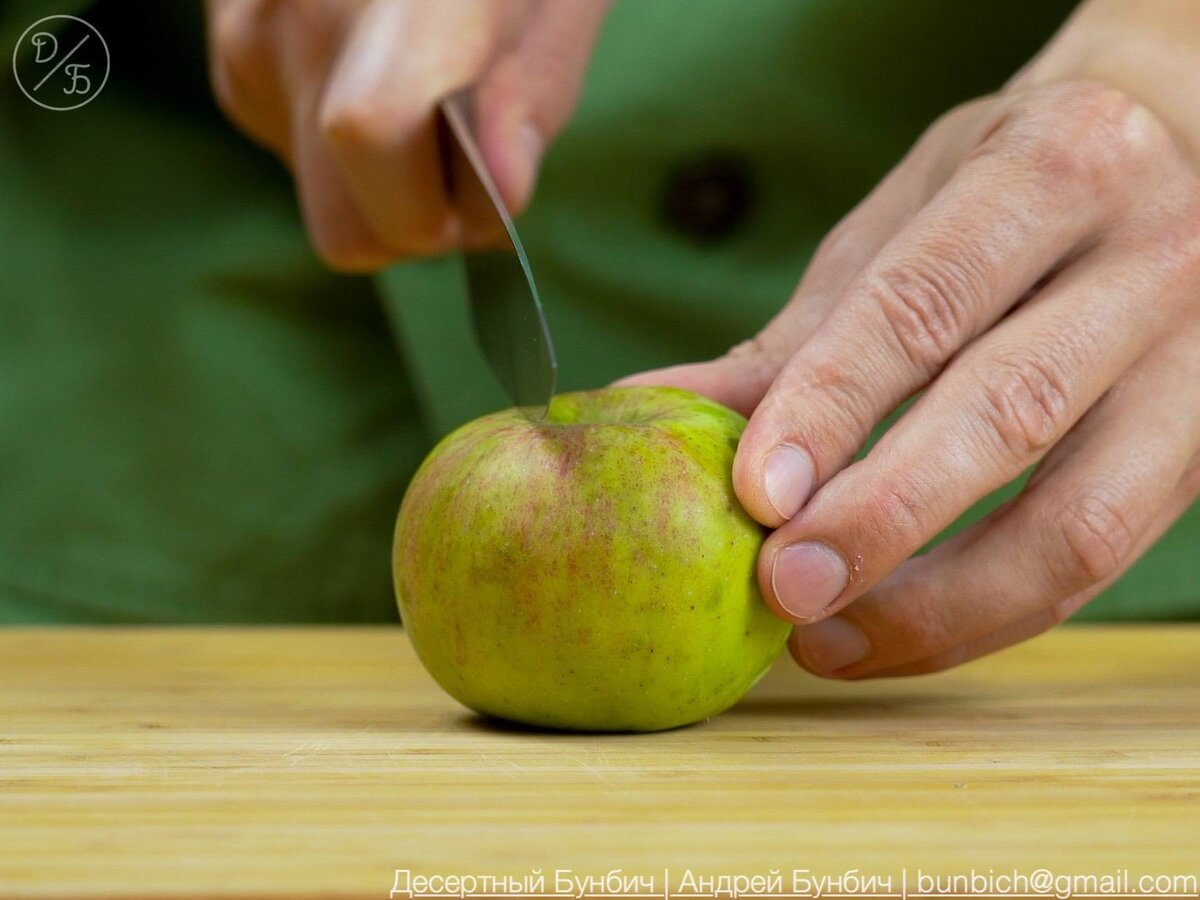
point(591, 572)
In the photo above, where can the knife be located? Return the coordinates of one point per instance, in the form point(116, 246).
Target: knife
point(506, 313)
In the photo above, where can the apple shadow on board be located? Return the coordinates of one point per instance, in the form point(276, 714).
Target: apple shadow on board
point(806, 713)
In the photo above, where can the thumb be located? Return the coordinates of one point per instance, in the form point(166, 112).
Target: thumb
point(530, 91)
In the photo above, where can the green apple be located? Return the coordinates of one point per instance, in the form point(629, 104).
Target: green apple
point(592, 571)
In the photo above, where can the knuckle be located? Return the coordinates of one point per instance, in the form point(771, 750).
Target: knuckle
point(1023, 405)
point(238, 39)
point(899, 513)
point(830, 398)
point(757, 360)
point(924, 305)
point(1097, 539)
point(226, 67)
point(756, 351)
point(244, 66)
point(1059, 158)
point(818, 390)
point(366, 123)
point(348, 254)
point(927, 636)
point(226, 24)
point(940, 640)
point(1091, 135)
point(351, 125)
point(223, 93)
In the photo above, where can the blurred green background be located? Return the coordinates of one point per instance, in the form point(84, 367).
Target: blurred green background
point(198, 423)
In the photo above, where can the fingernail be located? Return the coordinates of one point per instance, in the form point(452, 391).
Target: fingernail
point(807, 577)
point(787, 479)
point(832, 644)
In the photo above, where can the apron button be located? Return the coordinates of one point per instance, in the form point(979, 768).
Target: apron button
point(708, 198)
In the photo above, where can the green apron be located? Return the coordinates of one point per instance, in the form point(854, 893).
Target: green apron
point(199, 423)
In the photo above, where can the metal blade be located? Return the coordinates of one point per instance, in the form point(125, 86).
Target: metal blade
point(506, 312)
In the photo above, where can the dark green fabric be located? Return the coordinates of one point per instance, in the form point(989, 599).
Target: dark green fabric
point(198, 423)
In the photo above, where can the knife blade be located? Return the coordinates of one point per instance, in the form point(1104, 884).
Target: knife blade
point(506, 312)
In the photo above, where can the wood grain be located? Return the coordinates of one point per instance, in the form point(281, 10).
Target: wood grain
point(314, 762)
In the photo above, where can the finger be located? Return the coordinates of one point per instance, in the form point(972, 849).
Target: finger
point(340, 234)
point(1002, 404)
point(527, 95)
point(1027, 629)
point(1100, 499)
point(741, 377)
point(244, 72)
point(1022, 630)
point(1048, 179)
point(377, 116)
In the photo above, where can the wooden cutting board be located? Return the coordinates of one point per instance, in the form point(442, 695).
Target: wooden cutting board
point(316, 762)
